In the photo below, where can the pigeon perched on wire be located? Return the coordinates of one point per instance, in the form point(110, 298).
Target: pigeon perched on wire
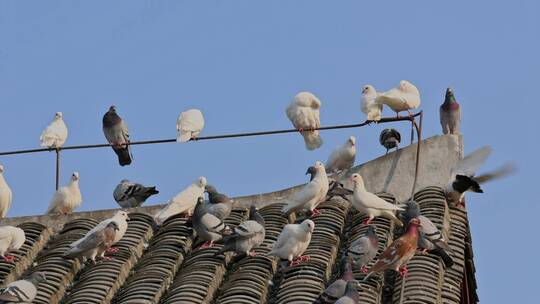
point(6, 195)
point(342, 158)
point(369, 203)
point(22, 291)
point(117, 134)
point(303, 112)
point(55, 134)
point(463, 176)
point(11, 239)
point(390, 138)
point(351, 294)
point(120, 218)
point(369, 104)
point(364, 249)
point(399, 253)
point(183, 202)
point(405, 97)
point(129, 194)
point(337, 289)
point(208, 226)
point(311, 194)
point(450, 114)
point(430, 239)
point(293, 241)
point(67, 198)
point(245, 236)
point(189, 124)
point(94, 244)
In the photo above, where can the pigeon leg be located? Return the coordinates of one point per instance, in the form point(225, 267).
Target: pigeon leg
point(303, 258)
point(367, 221)
point(363, 269)
point(252, 253)
point(9, 258)
point(422, 251)
point(112, 250)
point(315, 212)
point(107, 258)
point(301, 130)
point(207, 245)
point(403, 271)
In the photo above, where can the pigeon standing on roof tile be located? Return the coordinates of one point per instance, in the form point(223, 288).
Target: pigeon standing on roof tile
point(399, 253)
point(351, 294)
point(311, 194)
point(303, 112)
point(128, 194)
point(22, 291)
point(405, 97)
point(55, 134)
point(293, 241)
point(117, 134)
point(390, 138)
point(120, 218)
point(6, 195)
point(342, 158)
point(364, 249)
point(369, 104)
point(463, 176)
point(245, 236)
point(337, 289)
point(11, 238)
point(219, 204)
point(369, 203)
point(94, 244)
point(450, 114)
point(67, 198)
point(208, 226)
point(189, 124)
point(183, 202)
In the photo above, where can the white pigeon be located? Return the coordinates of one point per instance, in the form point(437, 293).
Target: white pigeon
point(55, 134)
point(303, 112)
point(11, 238)
point(183, 202)
point(67, 198)
point(293, 241)
point(342, 158)
point(371, 204)
point(5, 194)
point(402, 98)
point(22, 291)
point(369, 104)
point(120, 218)
point(189, 124)
point(312, 194)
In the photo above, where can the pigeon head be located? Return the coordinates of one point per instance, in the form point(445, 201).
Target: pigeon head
point(351, 141)
point(1, 169)
point(200, 200)
point(75, 176)
point(38, 277)
point(210, 189)
point(112, 109)
point(449, 97)
point(309, 225)
point(122, 214)
point(357, 179)
point(414, 224)
point(412, 208)
point(58, 115)
point(368, 89)
point(113, 225)
point(201, 181)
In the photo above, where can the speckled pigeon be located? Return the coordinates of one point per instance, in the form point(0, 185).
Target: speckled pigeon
point(303, 112)
point(245, 236)
point(22, 291)
point(94, 244)
point(129, 194)
point(117, 134)
point(450, 114)
point(364, 249)
point(390, 138)
point(120, 218)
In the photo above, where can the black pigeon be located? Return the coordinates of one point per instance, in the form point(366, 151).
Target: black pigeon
point(390, 138)
point(117, 134)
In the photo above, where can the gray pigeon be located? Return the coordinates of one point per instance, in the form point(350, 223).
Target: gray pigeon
point(364, 249)
point(219, 204)
point(22, 291)
point(390, 138)
point(208, 226)
point(336, 290)
point(128, 194)
point(351, 294)
point(117, 134)
point(450, 114)
point(94, 244)
point(246, 235)
point(430, 238)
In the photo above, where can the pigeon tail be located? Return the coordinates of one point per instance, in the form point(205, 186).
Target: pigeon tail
point(313, 139)
point(124, 157)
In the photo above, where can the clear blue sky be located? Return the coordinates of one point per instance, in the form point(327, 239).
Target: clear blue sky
point(241, 62)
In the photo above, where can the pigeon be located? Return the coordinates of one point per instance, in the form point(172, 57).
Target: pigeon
point(55, 134)
point(336, 290)
point(463, 175)
point(183, 202)
point(219, 204)
point(311, 194)
point(189, 124)
point(67, 198)
point(303, 112)
point(94, 244)
point(120, 218)
point(430, 238)
point(293, 241)
point(399, 253)
point(117, 134)
point(11, 238)
point(128, 194)
point(450, 114)
point(364, 249)
point(369, 104)
point(208, 226)
point(342, 158)
point(245, 236)
point(351, 294)
point(22, 291)
point(371, 204)
point(390, 138)
point(402, 98)
point(5, 194)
